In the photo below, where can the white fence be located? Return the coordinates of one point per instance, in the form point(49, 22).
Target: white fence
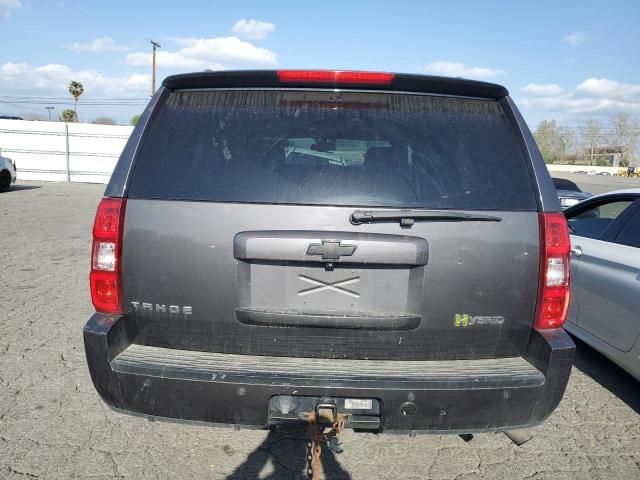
point(59, 151)
point(80, 152)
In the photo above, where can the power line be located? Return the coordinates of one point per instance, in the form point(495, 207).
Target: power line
point(33, 97)
point(37, 102)
point(34, 101)
point(26, 110)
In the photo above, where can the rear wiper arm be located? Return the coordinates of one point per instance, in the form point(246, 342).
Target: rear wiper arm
point(409, 217)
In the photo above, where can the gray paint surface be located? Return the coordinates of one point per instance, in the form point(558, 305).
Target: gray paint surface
point(606, 290)
point(182, 253)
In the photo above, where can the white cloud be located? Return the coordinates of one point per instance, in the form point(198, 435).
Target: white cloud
point(102, 44)
point(575, 39)
point(603, 87)
point(543, 90)
point(12, 69)
point(202, 53)
point(6, 6)
point(253, 29)
point(52, 79)
point(592, 97)
point(459, 69)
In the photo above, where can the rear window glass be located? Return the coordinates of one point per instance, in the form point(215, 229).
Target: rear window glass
point(328, 148)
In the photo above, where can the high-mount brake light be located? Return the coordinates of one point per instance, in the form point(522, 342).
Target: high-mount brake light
point(554, 287)
point(106, 253)
point(336, 77)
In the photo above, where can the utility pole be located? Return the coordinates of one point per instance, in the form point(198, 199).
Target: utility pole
point(153, 75)
point(50, 108)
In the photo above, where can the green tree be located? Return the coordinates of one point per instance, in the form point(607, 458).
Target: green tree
point(550, 139)
point(68, 115)
point(135, 119)
point(76, 89)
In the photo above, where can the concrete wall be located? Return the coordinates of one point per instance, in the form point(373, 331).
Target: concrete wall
point(41, 153)
point(584, 168)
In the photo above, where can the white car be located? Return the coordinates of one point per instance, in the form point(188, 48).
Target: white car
point(7, 173)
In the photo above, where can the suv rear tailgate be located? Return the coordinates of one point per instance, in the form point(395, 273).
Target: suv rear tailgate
point(239, 234)
point(282, 241)
point(450, 290)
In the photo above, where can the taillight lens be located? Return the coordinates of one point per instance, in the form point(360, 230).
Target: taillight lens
point(555, 270)
point(336, 77)
point(106, 253)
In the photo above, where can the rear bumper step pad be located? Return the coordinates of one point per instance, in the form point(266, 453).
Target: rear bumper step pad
point(433, 396)
point(205, 366)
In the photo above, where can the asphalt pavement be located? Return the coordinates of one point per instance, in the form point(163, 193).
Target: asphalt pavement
point(53, 425)
point(597, 184)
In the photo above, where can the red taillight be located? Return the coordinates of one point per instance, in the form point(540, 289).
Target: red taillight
point(554, 288)
point(336, 77)
point(106, 288)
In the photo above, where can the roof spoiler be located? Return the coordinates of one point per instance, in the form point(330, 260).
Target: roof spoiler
point(343, 79)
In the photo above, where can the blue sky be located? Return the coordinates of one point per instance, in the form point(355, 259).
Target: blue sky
point(565, 60)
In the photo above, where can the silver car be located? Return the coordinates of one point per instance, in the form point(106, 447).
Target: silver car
point(605, 266)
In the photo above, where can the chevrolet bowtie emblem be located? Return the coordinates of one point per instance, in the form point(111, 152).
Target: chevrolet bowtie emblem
point(331, 250)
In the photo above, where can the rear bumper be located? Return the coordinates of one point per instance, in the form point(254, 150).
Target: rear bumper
point(452, 396)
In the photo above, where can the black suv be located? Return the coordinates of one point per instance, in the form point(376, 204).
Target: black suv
point(389, 244)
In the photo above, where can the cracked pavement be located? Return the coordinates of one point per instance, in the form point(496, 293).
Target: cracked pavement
point(53, 424)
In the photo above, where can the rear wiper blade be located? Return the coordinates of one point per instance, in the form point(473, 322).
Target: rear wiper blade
point(409, 217)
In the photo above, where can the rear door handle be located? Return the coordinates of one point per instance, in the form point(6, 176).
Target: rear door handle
point(577, 251)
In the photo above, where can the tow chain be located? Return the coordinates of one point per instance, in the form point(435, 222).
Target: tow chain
point(319, 435)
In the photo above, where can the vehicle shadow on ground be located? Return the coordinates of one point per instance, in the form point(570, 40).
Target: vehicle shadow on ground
point(17, 188)
point(286, 451)
point(608, 374)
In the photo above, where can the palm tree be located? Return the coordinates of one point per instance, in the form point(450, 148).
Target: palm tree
point(68, 116)
point(76, 89)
